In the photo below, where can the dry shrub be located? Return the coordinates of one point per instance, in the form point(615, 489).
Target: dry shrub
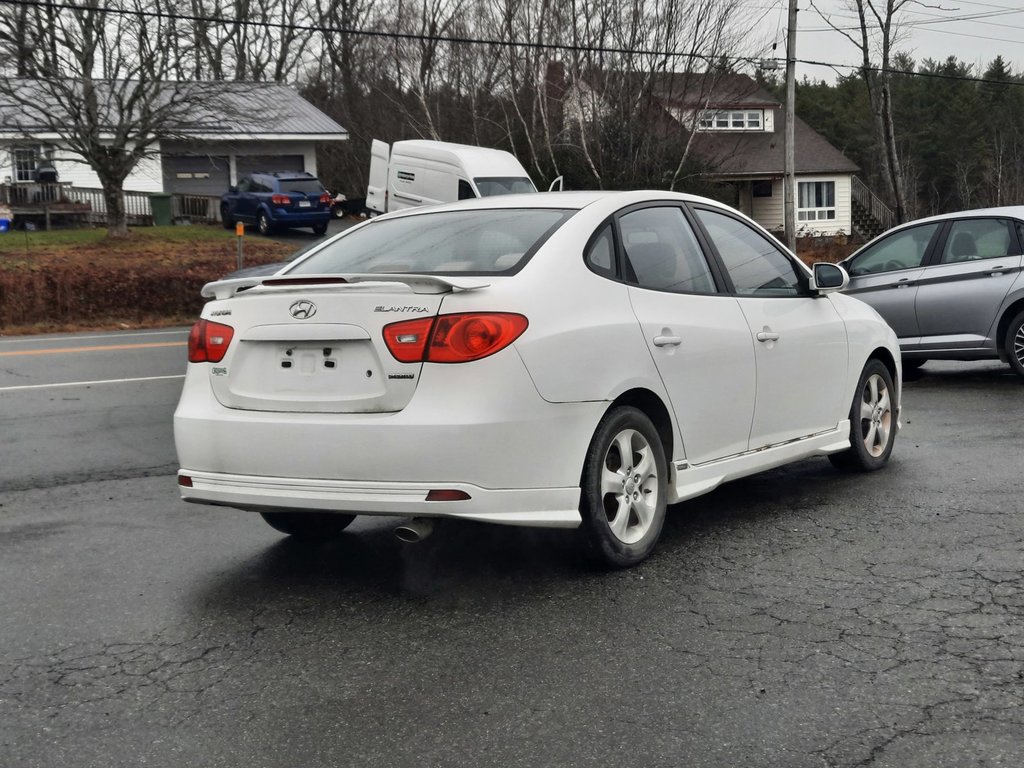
point(115, 283)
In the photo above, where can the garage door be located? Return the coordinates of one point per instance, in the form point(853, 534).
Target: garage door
point(246, 164)
point(195, 174)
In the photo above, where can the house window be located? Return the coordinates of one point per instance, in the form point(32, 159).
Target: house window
point(731, 120)
point(816, 201)
point(25, 164)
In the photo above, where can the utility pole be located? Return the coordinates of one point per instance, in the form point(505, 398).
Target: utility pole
point(790, 179)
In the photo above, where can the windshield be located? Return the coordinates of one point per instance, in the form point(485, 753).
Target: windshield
point(503, 185)
point(483, 242)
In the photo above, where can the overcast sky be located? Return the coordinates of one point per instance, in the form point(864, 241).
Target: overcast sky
point(975, 31)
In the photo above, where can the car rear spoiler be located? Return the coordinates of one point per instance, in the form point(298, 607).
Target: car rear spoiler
point(427, 284)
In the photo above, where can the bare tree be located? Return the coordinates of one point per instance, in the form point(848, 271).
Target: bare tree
point(877, 35)
point(100, 84)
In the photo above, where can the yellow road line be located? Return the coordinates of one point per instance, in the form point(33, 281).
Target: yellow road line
point(108, 348)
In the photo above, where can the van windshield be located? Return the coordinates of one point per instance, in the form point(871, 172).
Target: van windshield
point(503, 185)
point(480, 242)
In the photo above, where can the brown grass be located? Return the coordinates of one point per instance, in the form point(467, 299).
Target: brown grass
point(151, 278)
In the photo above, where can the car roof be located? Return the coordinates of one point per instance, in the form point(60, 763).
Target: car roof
point(576, 200)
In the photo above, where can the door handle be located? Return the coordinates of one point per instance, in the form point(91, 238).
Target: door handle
point(767, 336)
point(996, 271)
point(667, 341)
point(904, 282)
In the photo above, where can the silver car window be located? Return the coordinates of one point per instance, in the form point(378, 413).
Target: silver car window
point(972, 239)
point(901, 250)
point(480, 242)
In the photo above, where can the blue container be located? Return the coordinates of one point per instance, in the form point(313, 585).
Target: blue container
point(5, 225)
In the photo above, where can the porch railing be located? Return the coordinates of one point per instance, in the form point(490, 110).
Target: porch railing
point(89, 205)
point(871, 203)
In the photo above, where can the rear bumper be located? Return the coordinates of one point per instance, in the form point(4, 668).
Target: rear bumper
point(518, 457)
point(299, 218)
point(538, 507)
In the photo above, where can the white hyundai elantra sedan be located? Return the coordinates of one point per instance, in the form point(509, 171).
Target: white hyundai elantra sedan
point(574, 360)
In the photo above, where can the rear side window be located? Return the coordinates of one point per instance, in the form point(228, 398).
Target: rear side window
point(465, 190)
point(973, 239)
point(662, 252)
point(482, 242)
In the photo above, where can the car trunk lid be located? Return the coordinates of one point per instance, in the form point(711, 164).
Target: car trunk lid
point(316, 343)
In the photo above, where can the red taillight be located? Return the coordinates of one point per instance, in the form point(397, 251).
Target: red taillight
point(453, 338)
point(280, 200)
point(447, 495)
point(208, 342)
point(407, 340)
point(325, 198)
point(185, 481)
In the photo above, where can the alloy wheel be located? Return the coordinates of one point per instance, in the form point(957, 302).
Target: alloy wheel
point(875, 415)
point(629, 486)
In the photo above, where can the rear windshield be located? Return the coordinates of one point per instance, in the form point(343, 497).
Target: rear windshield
point(482, 242)
point(305, 186)
point(503, 185)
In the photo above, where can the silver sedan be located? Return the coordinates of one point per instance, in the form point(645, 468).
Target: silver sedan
point(951, 286)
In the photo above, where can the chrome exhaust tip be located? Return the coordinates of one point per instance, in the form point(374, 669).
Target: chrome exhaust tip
point(414, 529)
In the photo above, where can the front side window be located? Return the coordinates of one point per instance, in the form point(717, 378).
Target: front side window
point(483, 242)
point(816, 201)
point(977, 239)
point(503, 185)
point(902, 250)
point(25, 164)
point(755, 265)
point(662, 252)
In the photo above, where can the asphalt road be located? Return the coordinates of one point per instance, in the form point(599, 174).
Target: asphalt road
point(797, 618)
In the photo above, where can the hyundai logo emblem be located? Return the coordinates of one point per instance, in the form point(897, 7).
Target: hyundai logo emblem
point(302, 310)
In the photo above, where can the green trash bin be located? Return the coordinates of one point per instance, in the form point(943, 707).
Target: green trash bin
point(160, 205)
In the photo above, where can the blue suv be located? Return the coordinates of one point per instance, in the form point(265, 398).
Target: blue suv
point(277, 199)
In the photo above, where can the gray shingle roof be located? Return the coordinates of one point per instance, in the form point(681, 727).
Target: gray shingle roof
point(224, 108)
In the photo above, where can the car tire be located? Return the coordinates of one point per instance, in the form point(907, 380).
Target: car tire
point(263, 223)
point(1014, 344)
point(872, 422)
point(623, 499)
point(308, 525)
point(225, 217)
point(320, 229)
point(338, 212)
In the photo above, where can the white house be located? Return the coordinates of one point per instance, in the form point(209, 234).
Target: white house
point(740, 133)
point(235, 129)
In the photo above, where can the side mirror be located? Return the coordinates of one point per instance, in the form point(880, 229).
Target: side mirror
point(557, 184)
point(233, 189)
point(828, 278)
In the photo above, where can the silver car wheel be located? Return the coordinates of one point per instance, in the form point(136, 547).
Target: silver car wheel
point(875, 415)
point(1018, 345)
point(629, 486)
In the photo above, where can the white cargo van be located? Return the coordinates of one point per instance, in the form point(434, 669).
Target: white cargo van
point(412, 173)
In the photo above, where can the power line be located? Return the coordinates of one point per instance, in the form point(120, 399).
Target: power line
point(419, 37)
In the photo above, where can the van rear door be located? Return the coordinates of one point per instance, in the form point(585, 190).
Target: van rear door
point(376, 191)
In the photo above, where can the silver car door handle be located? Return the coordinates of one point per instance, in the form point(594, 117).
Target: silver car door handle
point(667, 341)
point(995, 271)
point(767, 336)
point(903, 283)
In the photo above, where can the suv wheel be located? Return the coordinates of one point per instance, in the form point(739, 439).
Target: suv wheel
point(263, 223)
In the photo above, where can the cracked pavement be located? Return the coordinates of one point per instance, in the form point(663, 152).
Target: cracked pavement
point(796, 618)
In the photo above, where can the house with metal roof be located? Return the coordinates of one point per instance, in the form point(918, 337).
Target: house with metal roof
point(227, 130)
